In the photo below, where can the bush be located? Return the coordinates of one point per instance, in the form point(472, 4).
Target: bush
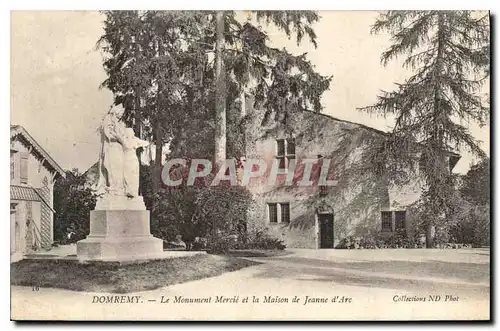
point(220, 245)
point(198, 211)
point(472, 225)
point(259, 239)
point(73, 200)
point(397, 240)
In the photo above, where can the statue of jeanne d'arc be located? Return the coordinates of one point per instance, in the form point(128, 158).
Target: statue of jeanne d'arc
point(118, 162)
point(111, 158)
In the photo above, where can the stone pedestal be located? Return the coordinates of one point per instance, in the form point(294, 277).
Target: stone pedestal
point(119, 235)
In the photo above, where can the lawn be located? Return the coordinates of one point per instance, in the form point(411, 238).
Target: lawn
point(115, 277)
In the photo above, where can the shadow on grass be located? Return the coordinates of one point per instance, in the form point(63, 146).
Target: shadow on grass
point(463, 271)
point(115, 277)
point(425, 287)
point(371, 274)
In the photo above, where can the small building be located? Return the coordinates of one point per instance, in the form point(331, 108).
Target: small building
point(32, 175)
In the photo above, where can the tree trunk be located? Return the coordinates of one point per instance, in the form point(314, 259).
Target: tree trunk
point(220, 93)
point(158, 134)
point(435, 182)
point(429, 236)
point(158, 140)
point(158, 156)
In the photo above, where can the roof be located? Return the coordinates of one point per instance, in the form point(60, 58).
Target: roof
point(18, 130)
point(349, 122)
point(28, 193)
point(92, 171)
point(454, 157)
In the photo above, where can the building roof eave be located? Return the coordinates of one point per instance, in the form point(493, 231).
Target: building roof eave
point(19, 130)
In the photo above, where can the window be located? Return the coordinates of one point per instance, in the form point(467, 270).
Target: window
point(323, 189)
point(273, 212)
point(285, 151)
point(285, 212)
point(12, 166)
point(400, 217)
point(386, 221)
point(29, 210)
point(280, 147)
point(279, 211)
point(24, 168)
point(290, 146)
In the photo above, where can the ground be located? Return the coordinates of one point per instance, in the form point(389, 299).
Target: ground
point(356, 284)
point(116, 277)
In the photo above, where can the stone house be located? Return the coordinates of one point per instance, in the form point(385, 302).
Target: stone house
point(321, 216)
point(32, 175)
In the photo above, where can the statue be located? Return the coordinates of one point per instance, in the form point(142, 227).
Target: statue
point(119, 223)
point(111, 159)
point(118, 183)
point(131, 162)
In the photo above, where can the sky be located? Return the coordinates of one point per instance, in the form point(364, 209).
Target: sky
point(56, 72)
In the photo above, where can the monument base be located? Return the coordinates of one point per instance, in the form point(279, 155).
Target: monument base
point(119, 235)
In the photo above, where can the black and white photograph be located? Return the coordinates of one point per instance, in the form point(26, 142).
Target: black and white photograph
point(257, 165)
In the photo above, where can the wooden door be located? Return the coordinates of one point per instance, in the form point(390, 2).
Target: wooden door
point(326, 230)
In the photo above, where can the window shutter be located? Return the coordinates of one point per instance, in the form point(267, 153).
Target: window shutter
point(290, 146)
point(387, 221)
point(24, 168)
point(400, 217)
point(285, 213)
point(280, 147)
point(12, 166)
point(273, 213)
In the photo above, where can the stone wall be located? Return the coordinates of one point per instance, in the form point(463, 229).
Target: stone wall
point(356, 201)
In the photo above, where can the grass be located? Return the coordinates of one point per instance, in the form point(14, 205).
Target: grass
point(115, 277)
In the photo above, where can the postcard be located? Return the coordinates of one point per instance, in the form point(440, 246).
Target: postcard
point(250, 165)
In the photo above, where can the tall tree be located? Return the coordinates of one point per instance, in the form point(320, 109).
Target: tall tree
point(73, 200)
point(475, 185)
point(170, 55)
point(471, 212)
point(165, 67)
point(220, 91)
point(448, 55)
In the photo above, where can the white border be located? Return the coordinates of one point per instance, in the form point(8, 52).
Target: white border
point(189, 4)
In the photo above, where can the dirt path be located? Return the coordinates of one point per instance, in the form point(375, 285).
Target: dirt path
point(359, 285)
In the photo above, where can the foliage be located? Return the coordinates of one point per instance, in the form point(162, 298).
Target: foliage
point(220, 244)
point(160, 67)
point(471, 211)
point(254, 240)
point(259, 239)
point(73, 201)
point(398, 239)
point(448, 54)
point(471, 226)
point(200, 211)
point(475, 185)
